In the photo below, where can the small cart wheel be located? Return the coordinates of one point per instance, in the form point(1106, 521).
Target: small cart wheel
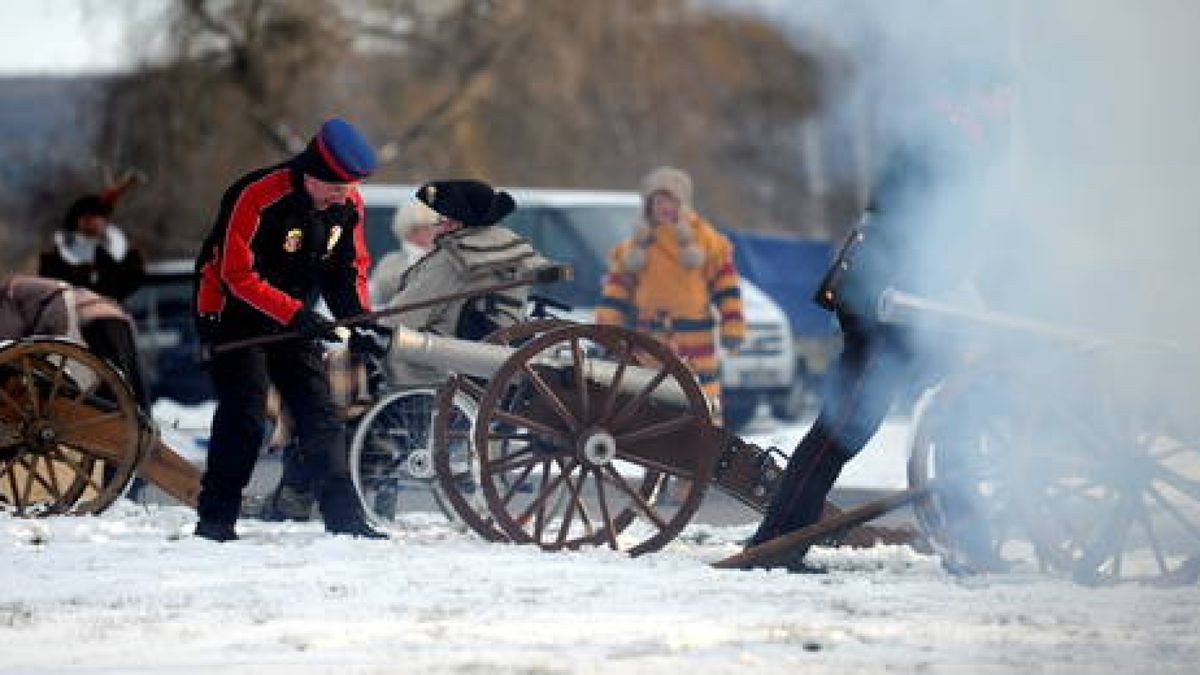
point(71, 435)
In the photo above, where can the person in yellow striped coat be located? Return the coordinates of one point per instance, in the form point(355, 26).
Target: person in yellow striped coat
point(674, 278)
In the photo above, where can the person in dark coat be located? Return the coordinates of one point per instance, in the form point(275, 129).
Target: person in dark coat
point(285, 237)
point(91, 252)
point(890, 248)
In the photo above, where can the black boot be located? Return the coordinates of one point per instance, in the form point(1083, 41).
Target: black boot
point(343, 513)
point(216, 531)
point(811, 472)
point(289, 502)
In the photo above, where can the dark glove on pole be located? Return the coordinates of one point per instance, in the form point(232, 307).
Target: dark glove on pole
point(310, 324)
point(369, 344)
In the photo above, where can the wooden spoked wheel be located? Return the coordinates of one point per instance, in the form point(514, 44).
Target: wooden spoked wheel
point(70, 432)
point(455, 462)
point(1125, 504)
point(1093, 472)
point(965, 448)
point(559, 422)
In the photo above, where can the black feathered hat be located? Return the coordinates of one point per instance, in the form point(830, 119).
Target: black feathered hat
point(87, 205)
point(471, 202)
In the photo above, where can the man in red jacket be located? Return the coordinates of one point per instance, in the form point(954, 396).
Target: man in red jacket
point(285, 237)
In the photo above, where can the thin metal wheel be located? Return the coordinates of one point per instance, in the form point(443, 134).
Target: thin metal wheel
point(71, 435)
point(392, 449)
point(559, 422)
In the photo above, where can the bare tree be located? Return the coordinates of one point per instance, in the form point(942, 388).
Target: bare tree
point(553, 92)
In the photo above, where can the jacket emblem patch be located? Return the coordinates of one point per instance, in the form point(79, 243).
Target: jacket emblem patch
point(293, 240)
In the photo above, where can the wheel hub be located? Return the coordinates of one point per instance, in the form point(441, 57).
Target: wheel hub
point(41, 436)
point(597, 447)
point(420, 464)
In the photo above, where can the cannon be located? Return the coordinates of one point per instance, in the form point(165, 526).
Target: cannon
point(574, 430)
point(1074, 451)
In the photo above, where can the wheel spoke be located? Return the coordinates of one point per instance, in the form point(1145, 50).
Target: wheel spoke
point(663, 428)
point(652, 465)
point(114, 416)
point(79, 469)
point(539, 429)
point(16, 490)
point(577, 358)
point(516, 485)
point(524, 458)
point(610, 529)
point(636, 496)
point(614, 387)
point(548, 487)
point(632, 405)
point(1173, 511)
point(1143, 517)
point(576, 490)
point(30, 463)
point(30, 388)
point(13, 404)
point(1184, 485)
point(1111, 537)
point(549, 395)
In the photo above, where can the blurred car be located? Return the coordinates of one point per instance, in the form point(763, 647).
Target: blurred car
point(581, 227)
point(167, 340)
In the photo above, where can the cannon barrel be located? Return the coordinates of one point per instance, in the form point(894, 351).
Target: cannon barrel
point(900, 308)
point(477, 359)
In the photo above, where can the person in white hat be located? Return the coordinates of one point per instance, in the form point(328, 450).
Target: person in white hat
point(415, 227)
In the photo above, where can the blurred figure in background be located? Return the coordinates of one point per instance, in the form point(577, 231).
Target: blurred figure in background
point(415, 226)
point(674, 278)
point(90, 251)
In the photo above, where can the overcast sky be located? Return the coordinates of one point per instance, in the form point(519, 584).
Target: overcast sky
point(66, 36)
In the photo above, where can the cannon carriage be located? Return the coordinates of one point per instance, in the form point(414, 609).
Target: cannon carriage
point(564, 435)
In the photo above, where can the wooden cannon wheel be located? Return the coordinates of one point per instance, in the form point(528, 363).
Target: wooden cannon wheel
point(455, 461)
point(70, 431)
point(554, 424)
point(1098, 480)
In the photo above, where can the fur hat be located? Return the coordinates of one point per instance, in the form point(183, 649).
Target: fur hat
point(670, 180)
point(411, 214)
point(337, 153)
point(679, 185)
point(471, 202)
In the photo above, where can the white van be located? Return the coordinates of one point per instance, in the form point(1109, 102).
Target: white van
point(580, 227)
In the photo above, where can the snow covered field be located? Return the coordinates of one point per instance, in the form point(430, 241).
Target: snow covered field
point(132, 591)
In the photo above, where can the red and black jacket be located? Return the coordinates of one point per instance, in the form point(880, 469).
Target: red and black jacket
point(270, 253)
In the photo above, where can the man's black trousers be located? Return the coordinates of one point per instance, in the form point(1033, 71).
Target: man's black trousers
point(241, 379)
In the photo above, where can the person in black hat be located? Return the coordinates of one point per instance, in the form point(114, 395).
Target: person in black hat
point(285, 237)
point(89, 251)
point(471, 250)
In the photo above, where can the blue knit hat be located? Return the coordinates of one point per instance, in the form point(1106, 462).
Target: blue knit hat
point(337, 153)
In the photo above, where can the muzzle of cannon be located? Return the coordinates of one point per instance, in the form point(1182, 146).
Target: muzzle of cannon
point(907, 309)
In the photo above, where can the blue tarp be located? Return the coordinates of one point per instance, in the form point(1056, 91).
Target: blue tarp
point(789, 270)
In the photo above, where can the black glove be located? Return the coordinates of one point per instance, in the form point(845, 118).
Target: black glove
point(312, 325)
point(369, 344)
point(370, 339)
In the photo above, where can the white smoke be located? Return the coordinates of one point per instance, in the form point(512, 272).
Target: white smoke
point(1085, 216)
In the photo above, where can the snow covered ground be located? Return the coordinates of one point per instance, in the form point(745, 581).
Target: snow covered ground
point(132, 591)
